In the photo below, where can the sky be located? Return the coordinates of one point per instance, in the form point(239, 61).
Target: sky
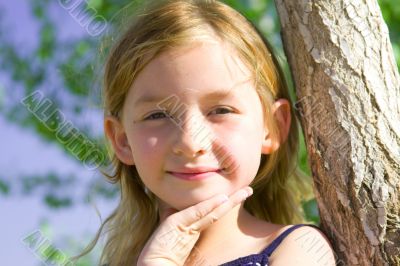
point(23, 152)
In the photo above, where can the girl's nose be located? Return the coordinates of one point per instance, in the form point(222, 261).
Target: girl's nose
point(192, 138)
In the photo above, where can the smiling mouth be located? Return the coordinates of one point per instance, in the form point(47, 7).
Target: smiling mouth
point(194, 176)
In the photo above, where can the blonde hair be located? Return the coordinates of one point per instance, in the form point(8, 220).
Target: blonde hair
point(163, 26)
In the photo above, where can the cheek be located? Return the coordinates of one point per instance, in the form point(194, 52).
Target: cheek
point(247, 155)
point(146, 145)
point(240, 151)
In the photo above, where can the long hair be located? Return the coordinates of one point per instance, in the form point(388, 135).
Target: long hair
point(165, 25)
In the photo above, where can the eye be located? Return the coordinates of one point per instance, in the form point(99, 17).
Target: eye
point(157, 115)
point(222, 110)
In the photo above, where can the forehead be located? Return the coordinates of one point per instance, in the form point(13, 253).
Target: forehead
point(200, 68)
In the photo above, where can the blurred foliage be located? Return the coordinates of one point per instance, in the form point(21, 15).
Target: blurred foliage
point(4, 187)
point(68, 72)
point(391, 13)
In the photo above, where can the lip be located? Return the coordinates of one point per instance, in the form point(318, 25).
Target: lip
point(195, 173)
point(194, 170)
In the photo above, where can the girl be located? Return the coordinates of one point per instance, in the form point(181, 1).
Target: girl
point(198, 115)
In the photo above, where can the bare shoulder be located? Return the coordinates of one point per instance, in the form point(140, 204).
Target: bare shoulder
point(305, 245)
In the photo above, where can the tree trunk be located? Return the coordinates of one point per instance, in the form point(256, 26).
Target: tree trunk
point(348, 91)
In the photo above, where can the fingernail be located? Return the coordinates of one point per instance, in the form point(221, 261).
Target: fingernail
point(249, 191)
point(223, 198)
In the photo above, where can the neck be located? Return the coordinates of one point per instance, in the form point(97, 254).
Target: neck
point(232, 225)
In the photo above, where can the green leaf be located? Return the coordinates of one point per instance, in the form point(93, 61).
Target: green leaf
point(56, 202)
point(4, 187)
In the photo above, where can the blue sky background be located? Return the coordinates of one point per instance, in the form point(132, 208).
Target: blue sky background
point(24, 153)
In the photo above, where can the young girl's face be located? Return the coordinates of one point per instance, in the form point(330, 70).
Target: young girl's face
point(216, 126)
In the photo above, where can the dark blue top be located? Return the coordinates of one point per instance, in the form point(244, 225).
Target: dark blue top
point(261, 259)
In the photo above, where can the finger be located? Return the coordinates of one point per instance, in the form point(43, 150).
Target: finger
point(200, 215)
point(192, 214)
point(218, 212)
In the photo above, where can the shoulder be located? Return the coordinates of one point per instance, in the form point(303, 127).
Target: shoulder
point(307, 246)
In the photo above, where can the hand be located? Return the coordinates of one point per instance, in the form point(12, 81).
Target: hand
point(178, 232)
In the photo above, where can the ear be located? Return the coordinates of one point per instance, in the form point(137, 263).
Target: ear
point(115, 133)
point(281, 113)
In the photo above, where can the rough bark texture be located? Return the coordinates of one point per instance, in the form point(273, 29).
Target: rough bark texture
point(348, 90)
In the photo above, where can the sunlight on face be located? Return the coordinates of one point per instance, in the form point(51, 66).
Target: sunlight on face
point(194, 109)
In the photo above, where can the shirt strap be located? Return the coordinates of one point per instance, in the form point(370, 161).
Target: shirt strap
point(271, 248)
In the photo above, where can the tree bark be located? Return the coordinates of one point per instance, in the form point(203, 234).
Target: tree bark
point(348, 89)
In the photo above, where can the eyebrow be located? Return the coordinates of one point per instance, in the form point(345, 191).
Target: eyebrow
point(218, 94)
